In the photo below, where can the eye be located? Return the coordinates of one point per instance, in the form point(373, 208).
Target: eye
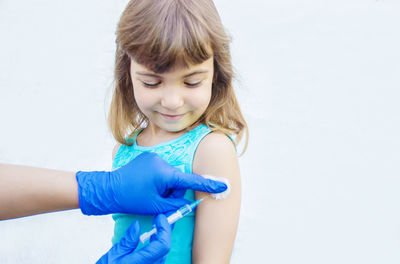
point(151, 85)
point(192, 84)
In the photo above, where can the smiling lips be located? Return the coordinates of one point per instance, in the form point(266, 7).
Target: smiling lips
point(172, 117)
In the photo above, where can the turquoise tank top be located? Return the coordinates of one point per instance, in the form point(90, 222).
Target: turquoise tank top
point(179, 153)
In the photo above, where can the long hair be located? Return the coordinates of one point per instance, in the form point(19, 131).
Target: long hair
point(161, 34)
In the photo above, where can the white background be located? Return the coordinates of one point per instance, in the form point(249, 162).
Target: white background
point(318, 82)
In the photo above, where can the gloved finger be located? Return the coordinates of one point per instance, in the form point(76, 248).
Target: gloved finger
point(127, 244)
point(167, 214)
point(162, 260)
point(163, 234)
point(196, 182)
point(156, 219)
point(130, 240)
point(158, 247)
point(171, 204)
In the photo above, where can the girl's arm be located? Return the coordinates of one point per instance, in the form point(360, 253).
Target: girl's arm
point(216, 220)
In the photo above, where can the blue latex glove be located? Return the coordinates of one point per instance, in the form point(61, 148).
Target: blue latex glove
point(154, 252)
point(146, 185)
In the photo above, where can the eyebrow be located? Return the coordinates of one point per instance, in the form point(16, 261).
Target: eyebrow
point(160, 77)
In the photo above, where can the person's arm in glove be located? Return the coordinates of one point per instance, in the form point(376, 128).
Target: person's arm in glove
point(146, 185)
point(154, 252)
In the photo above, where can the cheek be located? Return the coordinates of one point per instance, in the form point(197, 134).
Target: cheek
point(142, 98)
point(201, 98)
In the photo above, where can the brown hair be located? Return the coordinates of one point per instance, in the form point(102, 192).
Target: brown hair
point(160, 35)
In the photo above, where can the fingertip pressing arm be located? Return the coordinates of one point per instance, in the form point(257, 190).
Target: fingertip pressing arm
point(198, 183)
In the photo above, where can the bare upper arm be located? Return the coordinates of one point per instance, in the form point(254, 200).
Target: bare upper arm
point(216, 220)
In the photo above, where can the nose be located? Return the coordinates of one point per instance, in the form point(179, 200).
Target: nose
point(172, 99)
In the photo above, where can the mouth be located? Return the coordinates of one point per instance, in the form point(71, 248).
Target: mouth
point(172, 117)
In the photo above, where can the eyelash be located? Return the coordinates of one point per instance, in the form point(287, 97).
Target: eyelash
point(156, 84)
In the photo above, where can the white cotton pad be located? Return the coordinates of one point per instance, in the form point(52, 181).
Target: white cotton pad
point(224, 194)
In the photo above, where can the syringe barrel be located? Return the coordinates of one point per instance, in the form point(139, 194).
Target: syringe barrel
point(184, 210)
point(174, 217)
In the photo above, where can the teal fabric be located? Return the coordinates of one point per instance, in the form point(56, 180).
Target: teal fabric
point(179, 153)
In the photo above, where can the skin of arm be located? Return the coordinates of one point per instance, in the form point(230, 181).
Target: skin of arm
point(216, 220)
point(28, 190)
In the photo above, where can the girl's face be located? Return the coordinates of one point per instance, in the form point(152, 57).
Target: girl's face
point(174, 100)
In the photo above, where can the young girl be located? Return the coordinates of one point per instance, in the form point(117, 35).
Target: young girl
point(173, 96)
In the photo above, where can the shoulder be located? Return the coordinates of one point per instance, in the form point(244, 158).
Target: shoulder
point(216, 149)
point(217, 142)
point(115, 150)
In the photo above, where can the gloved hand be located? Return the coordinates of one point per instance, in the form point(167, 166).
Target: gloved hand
point(154, 252)
point(146, 185)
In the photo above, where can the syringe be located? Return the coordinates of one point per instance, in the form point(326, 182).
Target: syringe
point(180, 213)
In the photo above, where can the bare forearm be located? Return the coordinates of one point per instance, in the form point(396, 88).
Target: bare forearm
point(28, 190)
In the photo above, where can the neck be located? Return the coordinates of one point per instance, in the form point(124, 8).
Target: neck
point(153, 135)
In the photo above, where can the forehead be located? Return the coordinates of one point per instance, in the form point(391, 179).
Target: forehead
point(178, 69)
